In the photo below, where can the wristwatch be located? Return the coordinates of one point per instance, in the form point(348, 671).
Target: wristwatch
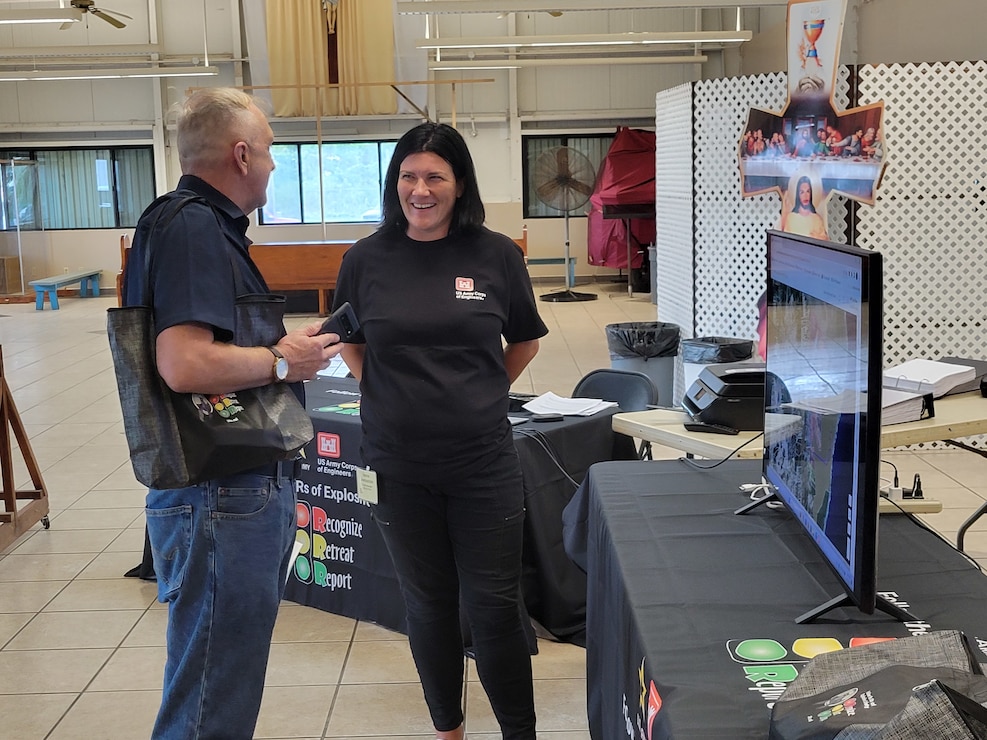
point(279, 371)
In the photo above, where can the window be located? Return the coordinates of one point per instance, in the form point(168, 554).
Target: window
point(87, 188)
point(593, 146)
point(18, 195)
point(343, 187)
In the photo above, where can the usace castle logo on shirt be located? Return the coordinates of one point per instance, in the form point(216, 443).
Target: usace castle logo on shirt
point(465, 290)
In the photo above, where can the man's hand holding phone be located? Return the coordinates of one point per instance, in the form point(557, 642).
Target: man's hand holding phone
point(342, 322)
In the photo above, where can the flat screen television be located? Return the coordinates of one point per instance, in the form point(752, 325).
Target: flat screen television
point(822, 438)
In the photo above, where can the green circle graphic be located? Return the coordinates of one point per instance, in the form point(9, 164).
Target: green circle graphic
point(761, 650)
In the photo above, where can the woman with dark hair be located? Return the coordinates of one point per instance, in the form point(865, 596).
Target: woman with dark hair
point(448, 322)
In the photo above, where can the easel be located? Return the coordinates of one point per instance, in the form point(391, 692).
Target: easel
point(13, 521)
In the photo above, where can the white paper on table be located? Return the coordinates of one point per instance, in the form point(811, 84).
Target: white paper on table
point(550, 403)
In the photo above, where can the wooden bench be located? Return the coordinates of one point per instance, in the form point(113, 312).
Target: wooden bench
point(523, 243)
point(124, 255)
point(88, 286)
point(301, 266)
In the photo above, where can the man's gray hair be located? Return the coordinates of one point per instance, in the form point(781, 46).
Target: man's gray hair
point(208, 121)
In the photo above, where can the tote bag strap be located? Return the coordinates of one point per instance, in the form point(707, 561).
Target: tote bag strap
point(180, 203)
point(162, 219)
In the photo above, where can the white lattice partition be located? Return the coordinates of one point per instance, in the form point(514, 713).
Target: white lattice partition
point(725, 249)
point(730, 239)
point(930, 218)
point(673, 207)
point(730, 229)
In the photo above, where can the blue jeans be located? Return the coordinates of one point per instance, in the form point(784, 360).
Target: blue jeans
point(462, 539)
point(221, 551)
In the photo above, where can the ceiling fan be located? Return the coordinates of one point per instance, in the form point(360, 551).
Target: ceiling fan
point(110, 16)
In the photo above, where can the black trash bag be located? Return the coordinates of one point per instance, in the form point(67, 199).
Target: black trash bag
point(715, 350)
point(644, 339)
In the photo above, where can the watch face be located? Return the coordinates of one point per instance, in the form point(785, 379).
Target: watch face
point(281, 369)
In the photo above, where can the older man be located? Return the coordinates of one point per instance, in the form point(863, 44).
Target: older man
point(221, 547)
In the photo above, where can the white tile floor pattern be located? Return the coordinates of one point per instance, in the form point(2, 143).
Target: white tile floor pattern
point(82, 648)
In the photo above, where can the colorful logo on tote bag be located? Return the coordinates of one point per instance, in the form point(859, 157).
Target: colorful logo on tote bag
point(224, 405)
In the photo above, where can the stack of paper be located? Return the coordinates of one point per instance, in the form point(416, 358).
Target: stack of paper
point(549, 403)
point(898, 407)
point(928, 376)
point(979, 366)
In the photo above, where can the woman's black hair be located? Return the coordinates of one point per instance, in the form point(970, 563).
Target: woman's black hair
point(798, 186)
point(443, 140)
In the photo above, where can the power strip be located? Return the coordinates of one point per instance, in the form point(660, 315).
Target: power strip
point(909, 506)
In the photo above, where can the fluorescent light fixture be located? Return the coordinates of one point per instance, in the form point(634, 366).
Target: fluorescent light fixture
point(406, 7)
point(607, 61)
point(107, 74)
point(40, 16)
point(604, 39)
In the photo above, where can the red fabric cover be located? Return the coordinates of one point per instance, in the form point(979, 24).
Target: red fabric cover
point(626, 177)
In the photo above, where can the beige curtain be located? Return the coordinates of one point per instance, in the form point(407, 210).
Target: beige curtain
point(365, 31)
point(298, 48)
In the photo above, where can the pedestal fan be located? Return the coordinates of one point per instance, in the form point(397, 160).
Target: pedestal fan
point(563, 179)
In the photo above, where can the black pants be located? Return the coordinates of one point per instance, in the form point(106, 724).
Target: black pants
point(464, 538)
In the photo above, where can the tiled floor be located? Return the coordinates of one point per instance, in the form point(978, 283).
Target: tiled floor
point(81, 647)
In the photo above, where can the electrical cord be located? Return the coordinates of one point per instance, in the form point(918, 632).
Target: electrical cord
point(888, 462)
point(542, 441)
point(766, 490)
point(922, 525)
point(697, 466)
point(752, 490)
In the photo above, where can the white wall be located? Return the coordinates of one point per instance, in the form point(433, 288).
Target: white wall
point(538, 99)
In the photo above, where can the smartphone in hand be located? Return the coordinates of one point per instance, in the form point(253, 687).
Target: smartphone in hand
point(342, 321)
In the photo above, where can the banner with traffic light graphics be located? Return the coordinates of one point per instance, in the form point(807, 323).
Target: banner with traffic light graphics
point(342, 565)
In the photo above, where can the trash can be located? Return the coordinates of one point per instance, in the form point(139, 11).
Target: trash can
point(640, 280)
point(653, 261)
point(712, 351)
point(649, 347)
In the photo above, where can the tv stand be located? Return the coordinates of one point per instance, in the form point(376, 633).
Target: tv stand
point(882, 605)
point(769, 496)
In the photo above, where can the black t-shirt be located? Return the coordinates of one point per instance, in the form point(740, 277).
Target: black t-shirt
point(434, 316)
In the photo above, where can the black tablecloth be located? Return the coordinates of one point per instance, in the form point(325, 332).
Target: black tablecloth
point(691, 610)
point(345, 567)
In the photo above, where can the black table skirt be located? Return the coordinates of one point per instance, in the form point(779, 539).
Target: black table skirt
point(691, 609)
point(346, 568)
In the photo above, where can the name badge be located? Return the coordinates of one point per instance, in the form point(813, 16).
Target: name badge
point(366, 485)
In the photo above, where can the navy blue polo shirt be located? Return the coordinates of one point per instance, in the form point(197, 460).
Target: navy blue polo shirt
point(192, 258)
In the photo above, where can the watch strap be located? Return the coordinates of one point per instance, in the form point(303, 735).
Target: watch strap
point(279, 362)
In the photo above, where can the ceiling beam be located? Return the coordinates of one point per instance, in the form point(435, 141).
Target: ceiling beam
point(531, 6)
point(40, 16)
point(575, 40)
point(101, 50)
point(569, 62)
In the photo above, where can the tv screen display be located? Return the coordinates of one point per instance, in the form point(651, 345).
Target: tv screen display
point(824, 337)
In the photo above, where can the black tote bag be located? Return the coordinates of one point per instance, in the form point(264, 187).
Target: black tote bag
point(181, 439)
